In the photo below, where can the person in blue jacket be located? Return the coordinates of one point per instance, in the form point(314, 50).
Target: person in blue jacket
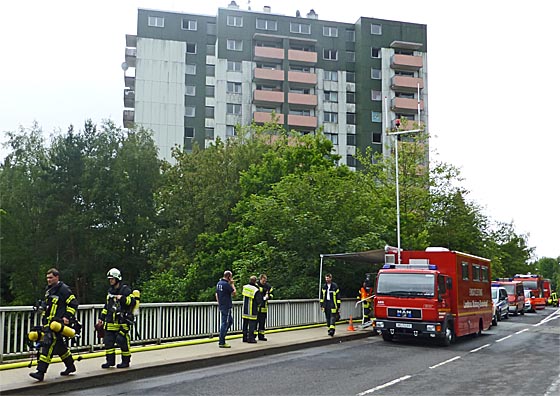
point(225, 289)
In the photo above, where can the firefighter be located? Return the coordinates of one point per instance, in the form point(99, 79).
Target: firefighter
point(252, 299)
point(266, 292)
point(330, 303)
point(59, 305)
point(117, 318)
point(365, 296)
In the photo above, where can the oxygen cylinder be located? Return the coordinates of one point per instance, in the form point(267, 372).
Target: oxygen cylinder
point(35, 336)
point(136, 309)
point(66, 331)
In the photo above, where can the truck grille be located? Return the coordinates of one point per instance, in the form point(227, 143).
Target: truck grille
point(404, 313)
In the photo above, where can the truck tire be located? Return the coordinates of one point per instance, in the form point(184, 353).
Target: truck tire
point(387, 336)
point(449, 337)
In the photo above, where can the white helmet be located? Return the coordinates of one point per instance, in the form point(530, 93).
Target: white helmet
point(114, 273)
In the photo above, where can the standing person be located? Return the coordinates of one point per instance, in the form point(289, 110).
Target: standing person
point(330, 302)
point(252, 299)
point(365, 296)
point(225, 289)
point(266, 292)
point(59, 305)
point(116, 318)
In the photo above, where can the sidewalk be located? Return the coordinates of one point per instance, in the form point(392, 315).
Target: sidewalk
point(169, 359)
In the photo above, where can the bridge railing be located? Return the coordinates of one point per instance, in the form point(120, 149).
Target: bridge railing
point(161, 322)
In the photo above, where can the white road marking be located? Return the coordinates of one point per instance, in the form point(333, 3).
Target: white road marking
point(447, 361)
point(479, 348)
point(393, 382)
point(505, 338)
point(521, 331)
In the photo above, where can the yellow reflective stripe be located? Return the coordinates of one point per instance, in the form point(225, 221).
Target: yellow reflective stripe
point(128, 299)
point(110, 351)
point(65, 355)
point(104, 311)
point(53, 309)
point(70, 299)
point(71, 310)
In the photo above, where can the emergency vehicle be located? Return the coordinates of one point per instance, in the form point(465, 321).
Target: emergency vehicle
point(516, 294)
point(436, 293)
point(546, 290)
point(534, 283)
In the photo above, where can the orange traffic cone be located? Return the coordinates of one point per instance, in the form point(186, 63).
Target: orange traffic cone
point(351, 325)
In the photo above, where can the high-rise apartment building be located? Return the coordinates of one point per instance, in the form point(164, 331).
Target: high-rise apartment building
point(196, 77)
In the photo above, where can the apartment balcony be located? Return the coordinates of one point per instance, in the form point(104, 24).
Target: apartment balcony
point(128, 118)
point(267, 53)
point(407, 84)
point(406, 62)
point(302, 121)
point(261, 117)
point(302, 56)
point(129, 98)
point(130, 82)
point(302, 78)
point(130, 56)
point(408, 125)
point(131, 40)
point(302, 99)
point(268, 74)
point(268, 96)
point(405, 105)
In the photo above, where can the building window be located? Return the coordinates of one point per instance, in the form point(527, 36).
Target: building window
point(210, 91)
point(191, 48)
point(211, 70)
point(209, 112)
point(189, 132)
point(333, 137)
point(268, 66)
point(190, 69)
point(350, 160)
point(331, 117)
point(350, 77)
point(233, 66)
point(465, 270)
point(234, 108)
point(350, 56)
point(267, 24)
point(188, 24)
point(351, 35)
point(375, 95)
point(301, 68)
point(230, 130)
point(305, 91)
point(375, 53)
point(376, 29)
point(351, 140)
point(331, 96)
point(330, 54)
point(306, 113)
point(190, 111)
point(406, 95)
point(156, 21)
point(233, 87)
point(236, 21)
point(190, 90)
point(211, 49)
point(376, 137)
point(209, 133)
point(235, 45)
point(350, 97)
point(351, 118)
point(331, 75)
point(210, 29)
point(302, 28)
point(375, 116)
point(263, 109)
point(375, 74)
point(330, 31)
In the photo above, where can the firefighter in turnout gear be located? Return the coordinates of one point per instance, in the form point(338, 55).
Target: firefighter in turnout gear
point(330, 303)
point(58, 310)
point(252, 299)
point(117, 318)
point(266, 292)
point(365, 297)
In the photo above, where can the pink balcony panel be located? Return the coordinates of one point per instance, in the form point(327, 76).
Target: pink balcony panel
point(262, 117)
point(406, 83)
point(408, 62)
point(303, 121)
point(302, 56)
point(301, 77)
point(268, 96)
point(267, 74)
point(269, 53)
point(399, 104)
point(302, 99)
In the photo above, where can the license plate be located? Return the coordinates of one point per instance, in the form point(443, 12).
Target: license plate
point(405, 325)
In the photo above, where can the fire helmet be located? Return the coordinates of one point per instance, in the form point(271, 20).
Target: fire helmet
point(114, 273)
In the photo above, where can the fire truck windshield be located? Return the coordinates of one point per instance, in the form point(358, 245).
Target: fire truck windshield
point(531, 285)
point(405, 284)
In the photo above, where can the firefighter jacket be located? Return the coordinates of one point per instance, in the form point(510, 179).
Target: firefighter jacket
point(266, 292)
point(252, 299)
point(364, 295)
point(329, 297)
point(59, 303)
point(117, 313)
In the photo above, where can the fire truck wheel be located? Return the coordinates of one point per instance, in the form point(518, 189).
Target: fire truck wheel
point(449, 335)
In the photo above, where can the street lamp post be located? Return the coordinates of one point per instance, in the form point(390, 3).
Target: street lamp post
point(396, 135)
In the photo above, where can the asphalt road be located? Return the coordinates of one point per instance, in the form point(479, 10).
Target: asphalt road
point(520, 356)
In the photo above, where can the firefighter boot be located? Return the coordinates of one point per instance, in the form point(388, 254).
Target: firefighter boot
point(125, 362)
point(110, 361)
point(39, 375)
point(70, 367)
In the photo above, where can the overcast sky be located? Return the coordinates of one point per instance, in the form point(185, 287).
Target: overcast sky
point(493, 84)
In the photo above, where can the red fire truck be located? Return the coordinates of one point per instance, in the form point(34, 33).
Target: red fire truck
point(436, 293)
point(546, 290)
point(534, 283)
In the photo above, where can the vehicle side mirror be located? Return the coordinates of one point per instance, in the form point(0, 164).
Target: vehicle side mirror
point(449, 283)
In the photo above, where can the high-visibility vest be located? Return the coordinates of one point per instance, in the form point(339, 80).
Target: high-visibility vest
point(250, 307)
